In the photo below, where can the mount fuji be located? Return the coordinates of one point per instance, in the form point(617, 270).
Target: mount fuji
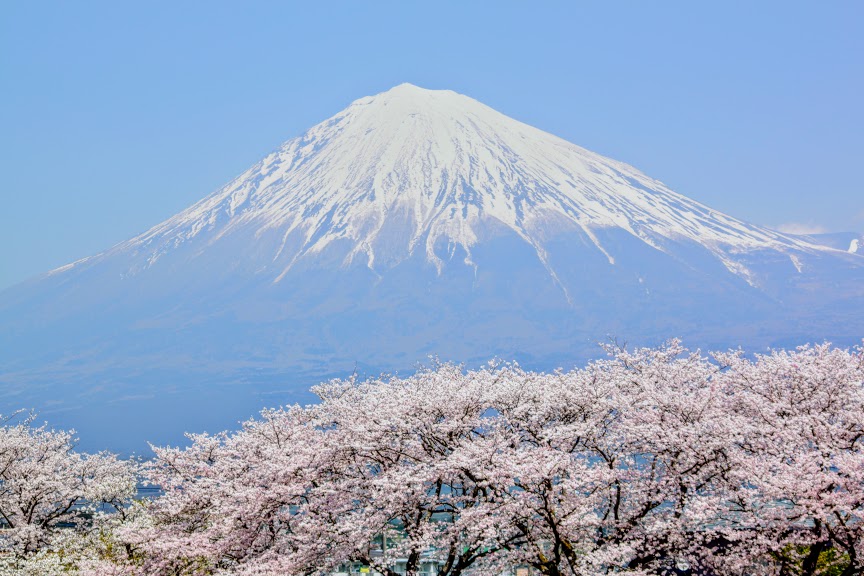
point(413, 223)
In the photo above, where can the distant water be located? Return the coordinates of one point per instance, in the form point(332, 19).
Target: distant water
point(147, 492)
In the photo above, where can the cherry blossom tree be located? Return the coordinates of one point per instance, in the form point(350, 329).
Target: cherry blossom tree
point(236, 501)
point(800, 469)
point(378, 471)
point(414, 470)
point(50, 494)
point(616, 466)
point(650, 461)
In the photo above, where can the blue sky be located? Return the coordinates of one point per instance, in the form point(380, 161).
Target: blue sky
point(116, 115)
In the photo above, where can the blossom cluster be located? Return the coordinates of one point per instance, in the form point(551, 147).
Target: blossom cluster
point(652, 461)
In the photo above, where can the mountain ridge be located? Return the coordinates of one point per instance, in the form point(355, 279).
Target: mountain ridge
point(412, 223)
point(409, 167)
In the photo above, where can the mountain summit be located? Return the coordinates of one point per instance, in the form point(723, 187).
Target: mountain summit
point(409, 169)
point(414, 222)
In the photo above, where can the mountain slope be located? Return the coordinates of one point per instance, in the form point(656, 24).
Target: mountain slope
point(413, 222)
point(433, 164)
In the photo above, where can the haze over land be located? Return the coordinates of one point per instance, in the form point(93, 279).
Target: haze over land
point(413, 223)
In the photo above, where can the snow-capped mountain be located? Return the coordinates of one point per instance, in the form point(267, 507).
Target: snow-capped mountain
point(413, 222)
point(436, 166)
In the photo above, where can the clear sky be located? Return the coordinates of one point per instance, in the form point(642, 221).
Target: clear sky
point(116, 115)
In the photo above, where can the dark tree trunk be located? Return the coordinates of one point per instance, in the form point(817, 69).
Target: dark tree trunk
point(811, 561)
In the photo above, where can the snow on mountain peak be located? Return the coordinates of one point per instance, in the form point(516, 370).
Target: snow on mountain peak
point(413, 222)
point(440, 166)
